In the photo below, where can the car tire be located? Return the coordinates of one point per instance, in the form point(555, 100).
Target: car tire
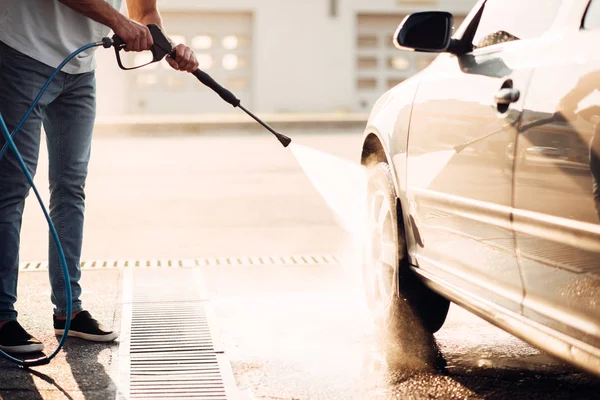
point(406, 312)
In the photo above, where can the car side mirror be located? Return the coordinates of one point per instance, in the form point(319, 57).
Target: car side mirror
point(429, 31)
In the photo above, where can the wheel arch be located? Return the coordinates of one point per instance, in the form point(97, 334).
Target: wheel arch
point(374, 151)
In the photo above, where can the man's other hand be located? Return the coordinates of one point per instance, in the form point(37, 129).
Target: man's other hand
point(184, 60)
point(136, 36)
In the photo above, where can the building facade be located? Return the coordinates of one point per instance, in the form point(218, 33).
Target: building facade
point(278, 56)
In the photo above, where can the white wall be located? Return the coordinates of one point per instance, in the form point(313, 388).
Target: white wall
point(303, 58)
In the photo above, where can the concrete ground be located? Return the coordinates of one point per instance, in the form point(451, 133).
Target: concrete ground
point(290, 332)
point(82, 370)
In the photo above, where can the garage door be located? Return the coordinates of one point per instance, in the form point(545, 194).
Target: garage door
point(223, 45)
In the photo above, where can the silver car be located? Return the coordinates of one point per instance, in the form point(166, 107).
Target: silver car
point(484, 182)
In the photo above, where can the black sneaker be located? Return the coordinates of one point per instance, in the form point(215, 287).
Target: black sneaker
point(14, 339)
point(84, 326)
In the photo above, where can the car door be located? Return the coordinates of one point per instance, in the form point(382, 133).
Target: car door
point(557, 185)
point(461, 139)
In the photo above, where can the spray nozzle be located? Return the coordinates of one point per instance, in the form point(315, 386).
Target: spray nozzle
point(284, 140)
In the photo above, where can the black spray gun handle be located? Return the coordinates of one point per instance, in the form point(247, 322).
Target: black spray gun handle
point(162, 47)
point(225, 94)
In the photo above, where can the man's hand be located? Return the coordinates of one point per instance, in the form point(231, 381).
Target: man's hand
point(185, 60)
point(136, 36)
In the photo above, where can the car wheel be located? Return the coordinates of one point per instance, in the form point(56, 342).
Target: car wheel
point(406, 312)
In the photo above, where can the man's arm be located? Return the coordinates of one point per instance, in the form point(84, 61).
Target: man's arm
point(135, 35)
point(133, 31)
point(98, 10)
point(146, 12)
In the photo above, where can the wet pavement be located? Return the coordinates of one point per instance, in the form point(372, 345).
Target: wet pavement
point(305, 333)
point(296, 332)
point(290, 332)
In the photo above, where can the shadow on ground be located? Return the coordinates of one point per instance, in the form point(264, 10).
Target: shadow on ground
point(76, 373)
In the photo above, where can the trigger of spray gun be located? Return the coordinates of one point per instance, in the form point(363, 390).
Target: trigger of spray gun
point(161, 46)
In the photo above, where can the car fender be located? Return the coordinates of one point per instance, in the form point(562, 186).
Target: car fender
point(386, 136)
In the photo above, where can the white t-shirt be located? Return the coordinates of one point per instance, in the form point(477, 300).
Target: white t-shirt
point(48, 31)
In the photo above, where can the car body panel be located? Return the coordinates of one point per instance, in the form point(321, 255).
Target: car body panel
point(461, 200)
point(557, 203)
point(566, 347)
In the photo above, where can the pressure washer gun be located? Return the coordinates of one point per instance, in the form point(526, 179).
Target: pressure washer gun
point(162, 47)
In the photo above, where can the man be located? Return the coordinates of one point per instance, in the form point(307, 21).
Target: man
point(35, 36)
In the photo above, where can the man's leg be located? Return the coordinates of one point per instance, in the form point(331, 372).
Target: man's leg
point(69, 124)
point(21, 78)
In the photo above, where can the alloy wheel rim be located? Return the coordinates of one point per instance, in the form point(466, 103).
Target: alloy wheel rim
point(383, 255)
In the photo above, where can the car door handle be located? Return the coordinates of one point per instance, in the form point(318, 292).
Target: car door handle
point(507, 96)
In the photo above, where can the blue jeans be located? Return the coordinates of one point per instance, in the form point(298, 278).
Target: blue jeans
point(67, 111)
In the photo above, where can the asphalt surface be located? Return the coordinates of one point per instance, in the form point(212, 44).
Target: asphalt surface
point(290, 332)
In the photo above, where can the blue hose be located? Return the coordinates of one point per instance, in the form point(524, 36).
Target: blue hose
point(11, 144)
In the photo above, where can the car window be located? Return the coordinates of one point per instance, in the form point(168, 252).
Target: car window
point(592, 16)
point(508, 20)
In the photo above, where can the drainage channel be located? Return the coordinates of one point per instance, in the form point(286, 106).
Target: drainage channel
point(170, 347)
point(291, 260)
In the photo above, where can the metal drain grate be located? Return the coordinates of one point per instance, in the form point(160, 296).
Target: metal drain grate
point(172, 326)
point(197, 262)
point(170, 343)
